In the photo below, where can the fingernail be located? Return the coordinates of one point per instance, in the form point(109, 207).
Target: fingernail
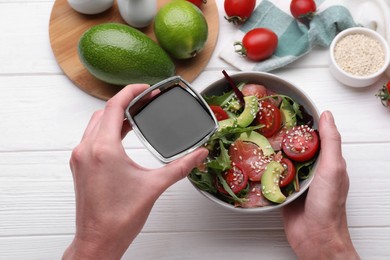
point(329, 117)
point(202, 155)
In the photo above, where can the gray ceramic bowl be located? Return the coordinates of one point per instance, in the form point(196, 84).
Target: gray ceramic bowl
point(280, 86)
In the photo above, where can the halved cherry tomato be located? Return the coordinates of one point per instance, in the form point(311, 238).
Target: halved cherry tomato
point(219, 113)
point(300, 143)
point(236, 178)
point(269, 116)
point(238, 11)
point(288, 174)
point(251, 89)
point(303, 10)
point(258, 44)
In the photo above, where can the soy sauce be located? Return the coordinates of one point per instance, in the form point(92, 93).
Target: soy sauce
point(174, 121)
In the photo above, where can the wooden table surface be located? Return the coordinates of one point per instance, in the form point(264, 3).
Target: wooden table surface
point(43, 116)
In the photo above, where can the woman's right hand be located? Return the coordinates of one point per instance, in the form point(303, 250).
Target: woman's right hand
point(316, 224)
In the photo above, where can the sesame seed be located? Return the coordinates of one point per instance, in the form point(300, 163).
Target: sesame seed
point(359, 54)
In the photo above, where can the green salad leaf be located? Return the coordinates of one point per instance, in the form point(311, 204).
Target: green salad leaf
point(203, 180)
point(228, 189)
point(231, 132)
point(222, 162)
point(304, 169)
point(223, 99)
point(218, 100)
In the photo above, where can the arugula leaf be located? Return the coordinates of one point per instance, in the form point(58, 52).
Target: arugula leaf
point(228, 189)
point(287, 103)
point(222, 100)
point(304, 169)
point(230, 130)
point(222, 162)
point(297, 109)
point(218, 100)
point(203, 180)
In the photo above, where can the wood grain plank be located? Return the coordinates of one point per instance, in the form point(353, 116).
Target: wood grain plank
point(28, 103)
point(45, 112)
point(371, 243)
point(25, 46)
point(36, 196)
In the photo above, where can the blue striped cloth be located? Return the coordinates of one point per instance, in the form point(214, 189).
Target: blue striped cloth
point(295, 38)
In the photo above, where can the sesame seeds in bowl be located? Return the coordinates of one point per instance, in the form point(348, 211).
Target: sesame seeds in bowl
point(358, 57)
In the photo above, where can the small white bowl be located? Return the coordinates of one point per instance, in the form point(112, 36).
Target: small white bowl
point(350, 79)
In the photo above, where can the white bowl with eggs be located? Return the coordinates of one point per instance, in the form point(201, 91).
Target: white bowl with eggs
point(358, 57)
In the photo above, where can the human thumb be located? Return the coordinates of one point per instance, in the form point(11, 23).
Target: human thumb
point(180, 168)
point(330, 138)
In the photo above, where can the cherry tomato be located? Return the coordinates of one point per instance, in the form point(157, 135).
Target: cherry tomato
point(235, 178)
point(384, 94)
point(219, 113)
point(258, 44)
point(303, 10)
point(238, 11)
point(198, 3)
point(254, 90)
point(269, 115)
point(288, 174)
point(250, 158)
point(300, 143)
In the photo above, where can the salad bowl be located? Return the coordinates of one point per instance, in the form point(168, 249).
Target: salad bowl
point(279, 86)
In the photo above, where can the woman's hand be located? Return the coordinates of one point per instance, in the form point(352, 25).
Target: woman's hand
point(316, 225)
point(114, 195)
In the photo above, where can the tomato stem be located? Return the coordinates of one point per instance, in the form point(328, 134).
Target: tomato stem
point(384, 94)
point(236, 20)
point(241, 49)
point(238, 93)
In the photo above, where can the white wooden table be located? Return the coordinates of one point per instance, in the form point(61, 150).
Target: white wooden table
point(43, 116)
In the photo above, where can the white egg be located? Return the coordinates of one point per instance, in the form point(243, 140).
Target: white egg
point(90, 6)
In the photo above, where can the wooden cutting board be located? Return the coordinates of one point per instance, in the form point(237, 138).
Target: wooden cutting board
point(67, 26)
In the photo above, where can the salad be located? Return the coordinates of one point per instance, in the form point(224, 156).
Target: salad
point(264, 146)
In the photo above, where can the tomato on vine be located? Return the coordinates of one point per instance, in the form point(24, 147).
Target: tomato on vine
point(384, 94)
point(303, 10)
point(238, 11)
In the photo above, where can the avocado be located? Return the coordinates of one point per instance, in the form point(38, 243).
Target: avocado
point(246, 117)
point(250, 110)
point(270, 182)
point(233, 105)
point(119, 54)
point(231, 115)
point(260, 140)
point(227, 123)
point(289, 117)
